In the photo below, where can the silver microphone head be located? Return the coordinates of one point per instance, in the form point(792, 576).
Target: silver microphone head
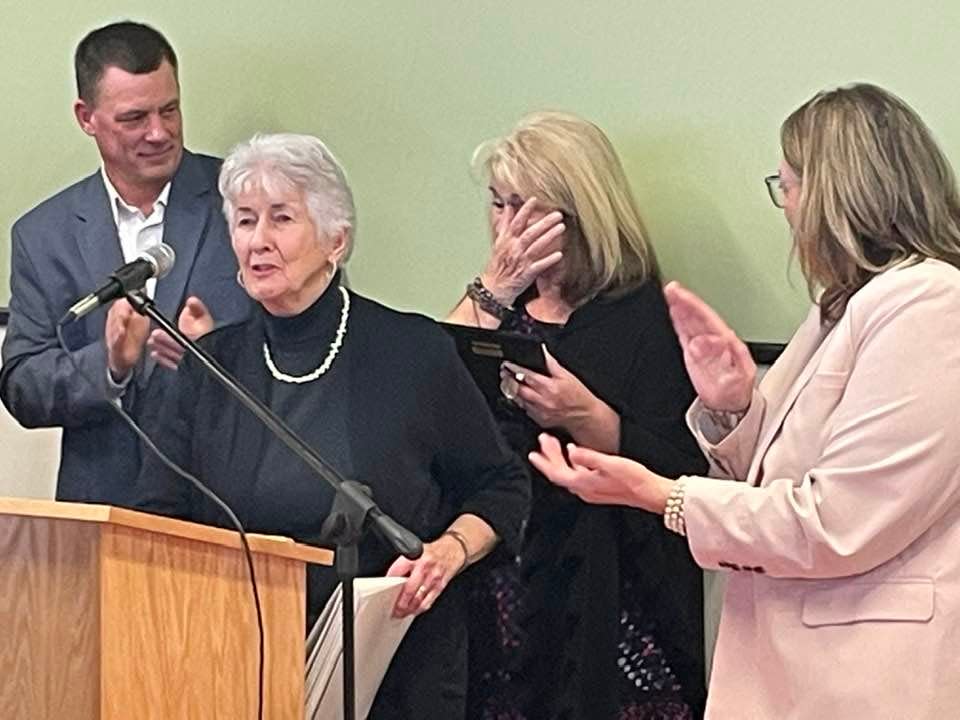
point(161, 257)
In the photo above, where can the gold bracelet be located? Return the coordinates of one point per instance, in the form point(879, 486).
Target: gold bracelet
point(462, 541)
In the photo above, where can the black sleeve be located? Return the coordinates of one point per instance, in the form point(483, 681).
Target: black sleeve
point(658, 392)
point(474, 465)
point(159, 489)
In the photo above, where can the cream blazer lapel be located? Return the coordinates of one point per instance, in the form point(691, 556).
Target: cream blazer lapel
point(785, 379)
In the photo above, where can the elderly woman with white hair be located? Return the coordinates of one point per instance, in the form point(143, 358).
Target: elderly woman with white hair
point(373, 390)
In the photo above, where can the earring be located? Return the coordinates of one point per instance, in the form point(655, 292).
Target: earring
point(240, 279)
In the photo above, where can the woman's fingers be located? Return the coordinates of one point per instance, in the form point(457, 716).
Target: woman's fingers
point(539, 266)
point(427, 578)
point(525, 376)
point(707, 347)
point(504, 222)
point(582, 457)
point(691, 316)
point(542, 232)
point(549, 460)
point(520, 221)
point(702, 332)
point(411, 592)
point(195, 319)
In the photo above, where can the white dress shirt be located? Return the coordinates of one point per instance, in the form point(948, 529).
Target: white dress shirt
point(137, 231)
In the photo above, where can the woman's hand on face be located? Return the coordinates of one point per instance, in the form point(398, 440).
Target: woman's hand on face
point(599, 478)
point(427, 576)
point(718, 362)
point(195, 321)
point(522, 250)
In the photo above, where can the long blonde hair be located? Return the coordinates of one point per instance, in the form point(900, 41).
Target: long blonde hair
point(569, 164)
point(876, 190)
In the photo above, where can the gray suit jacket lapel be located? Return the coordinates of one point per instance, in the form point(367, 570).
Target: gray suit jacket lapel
point(185, 223)
point(184, 226)
point(97, 239)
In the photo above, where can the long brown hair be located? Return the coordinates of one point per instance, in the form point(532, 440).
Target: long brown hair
point(876, 190)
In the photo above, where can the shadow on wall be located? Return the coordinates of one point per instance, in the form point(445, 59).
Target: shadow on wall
point(28, 458)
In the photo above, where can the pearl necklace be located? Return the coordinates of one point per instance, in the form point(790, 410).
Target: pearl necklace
point(327, 361)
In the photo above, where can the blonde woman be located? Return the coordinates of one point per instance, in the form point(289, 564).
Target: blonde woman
point(841, 541)
point(572, 265)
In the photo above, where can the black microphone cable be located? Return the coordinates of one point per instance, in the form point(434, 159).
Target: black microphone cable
point(235, 521)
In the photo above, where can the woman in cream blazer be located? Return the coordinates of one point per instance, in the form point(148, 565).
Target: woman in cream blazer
point(842, 538)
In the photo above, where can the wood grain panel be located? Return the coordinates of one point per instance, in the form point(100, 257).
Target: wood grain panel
point(49, 611)
point(179, 630)
point(273, 544)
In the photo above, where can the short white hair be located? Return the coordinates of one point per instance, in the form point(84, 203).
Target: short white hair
point(291, 161)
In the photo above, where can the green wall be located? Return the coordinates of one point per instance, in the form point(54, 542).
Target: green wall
point(691, 93)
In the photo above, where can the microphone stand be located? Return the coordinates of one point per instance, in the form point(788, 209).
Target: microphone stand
point(353, 507)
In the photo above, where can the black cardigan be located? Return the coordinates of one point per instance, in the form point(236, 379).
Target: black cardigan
point(396, 411)
point(580, 557)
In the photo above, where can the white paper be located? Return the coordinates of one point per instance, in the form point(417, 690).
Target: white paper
point(377, 635)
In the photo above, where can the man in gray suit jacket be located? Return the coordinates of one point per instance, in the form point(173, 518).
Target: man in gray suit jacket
point(148, 189)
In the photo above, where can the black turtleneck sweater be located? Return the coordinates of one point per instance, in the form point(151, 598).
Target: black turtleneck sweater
point(396, 411)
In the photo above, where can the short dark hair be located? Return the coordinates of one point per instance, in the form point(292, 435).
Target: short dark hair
point(133, 47)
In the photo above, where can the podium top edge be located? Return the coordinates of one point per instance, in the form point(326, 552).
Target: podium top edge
point(109, 515)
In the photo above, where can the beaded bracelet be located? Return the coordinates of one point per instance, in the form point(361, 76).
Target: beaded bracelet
point(673, 512)
point(486, 300)
point(458, 536)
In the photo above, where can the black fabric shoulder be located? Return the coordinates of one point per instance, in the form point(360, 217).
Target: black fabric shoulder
point(403, 331)
point(642, 306)
point(220, 341)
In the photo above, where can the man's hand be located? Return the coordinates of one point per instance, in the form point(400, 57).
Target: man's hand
point(125, 334)
point(194, 322)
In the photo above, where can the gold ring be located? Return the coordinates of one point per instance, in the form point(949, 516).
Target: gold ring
point(422, 590)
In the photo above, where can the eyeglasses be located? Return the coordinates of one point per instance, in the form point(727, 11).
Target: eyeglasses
point(778, 193)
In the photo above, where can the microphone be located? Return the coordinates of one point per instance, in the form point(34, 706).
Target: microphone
point(154, 262)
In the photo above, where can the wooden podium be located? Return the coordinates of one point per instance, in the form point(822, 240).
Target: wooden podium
point(112, 614)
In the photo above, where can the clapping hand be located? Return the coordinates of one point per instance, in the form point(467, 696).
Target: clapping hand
point(194, 322)
point(125, 333)
point(601, 479)
point(718, 362)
